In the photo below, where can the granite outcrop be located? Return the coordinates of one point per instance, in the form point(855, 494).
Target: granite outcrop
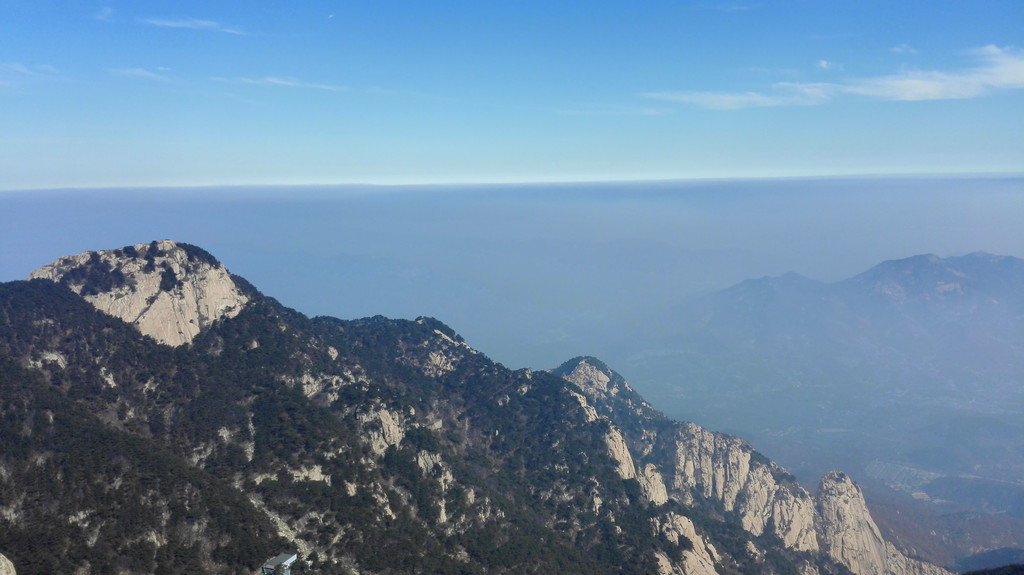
point(169, 291)
point(701, 463)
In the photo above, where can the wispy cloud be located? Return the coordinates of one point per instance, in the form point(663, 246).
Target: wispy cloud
point(903, 49)
point(193, 24)
point(626, 111)
point(285, 82)
point(718, 100)
point(13, 68)
point(17, 68)
point(826, 65)
point(998, 69)
point(16, 73)
point(140, 73)
point(104, 14)
point(782, 94)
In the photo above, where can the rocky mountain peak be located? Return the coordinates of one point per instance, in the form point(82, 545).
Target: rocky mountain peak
point(929, 276)
point(586, 372)
point(169, 291)
point(609, 392)
point(848, 533)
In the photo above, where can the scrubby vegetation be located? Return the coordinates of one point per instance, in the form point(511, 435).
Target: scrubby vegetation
point(386, 446)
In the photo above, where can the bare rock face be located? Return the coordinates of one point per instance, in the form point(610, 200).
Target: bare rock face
point(168, 291)
point(653, 484)
point(849, 534)
point(383, 428)
point(619, 452)
point(589, 377)
point(698, 560)
point(836, 521)
point(604, 389)
point(727, 469)
point(847, 531)
point(6, 567)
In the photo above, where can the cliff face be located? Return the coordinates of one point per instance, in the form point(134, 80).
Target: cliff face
point(700, 559)
point(697, 463)
point(848, 533)
point(727, 469)
point(167, 291)
point(370, 446)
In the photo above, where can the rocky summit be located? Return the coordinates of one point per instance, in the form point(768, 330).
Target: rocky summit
point(161, 415)
point(168, 291)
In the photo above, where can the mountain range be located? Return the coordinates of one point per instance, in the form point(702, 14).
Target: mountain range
point(161, 415)
point(910, 376)
point(915, 364)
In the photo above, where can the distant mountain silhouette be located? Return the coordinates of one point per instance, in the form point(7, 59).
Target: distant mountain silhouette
point(909, 374)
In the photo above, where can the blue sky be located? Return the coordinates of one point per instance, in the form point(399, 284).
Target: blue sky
point(199, 93)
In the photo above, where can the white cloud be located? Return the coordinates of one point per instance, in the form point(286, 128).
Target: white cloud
point(141, 73)
point(783, 94)
point(192, 24)
point(918, 86)
point(903, 49)
point(286, 82)
point(826, 65)
point(104, 14)
point(998, 69)
point(719, 100)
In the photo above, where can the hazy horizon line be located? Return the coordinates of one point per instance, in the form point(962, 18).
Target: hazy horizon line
point(525, 182)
